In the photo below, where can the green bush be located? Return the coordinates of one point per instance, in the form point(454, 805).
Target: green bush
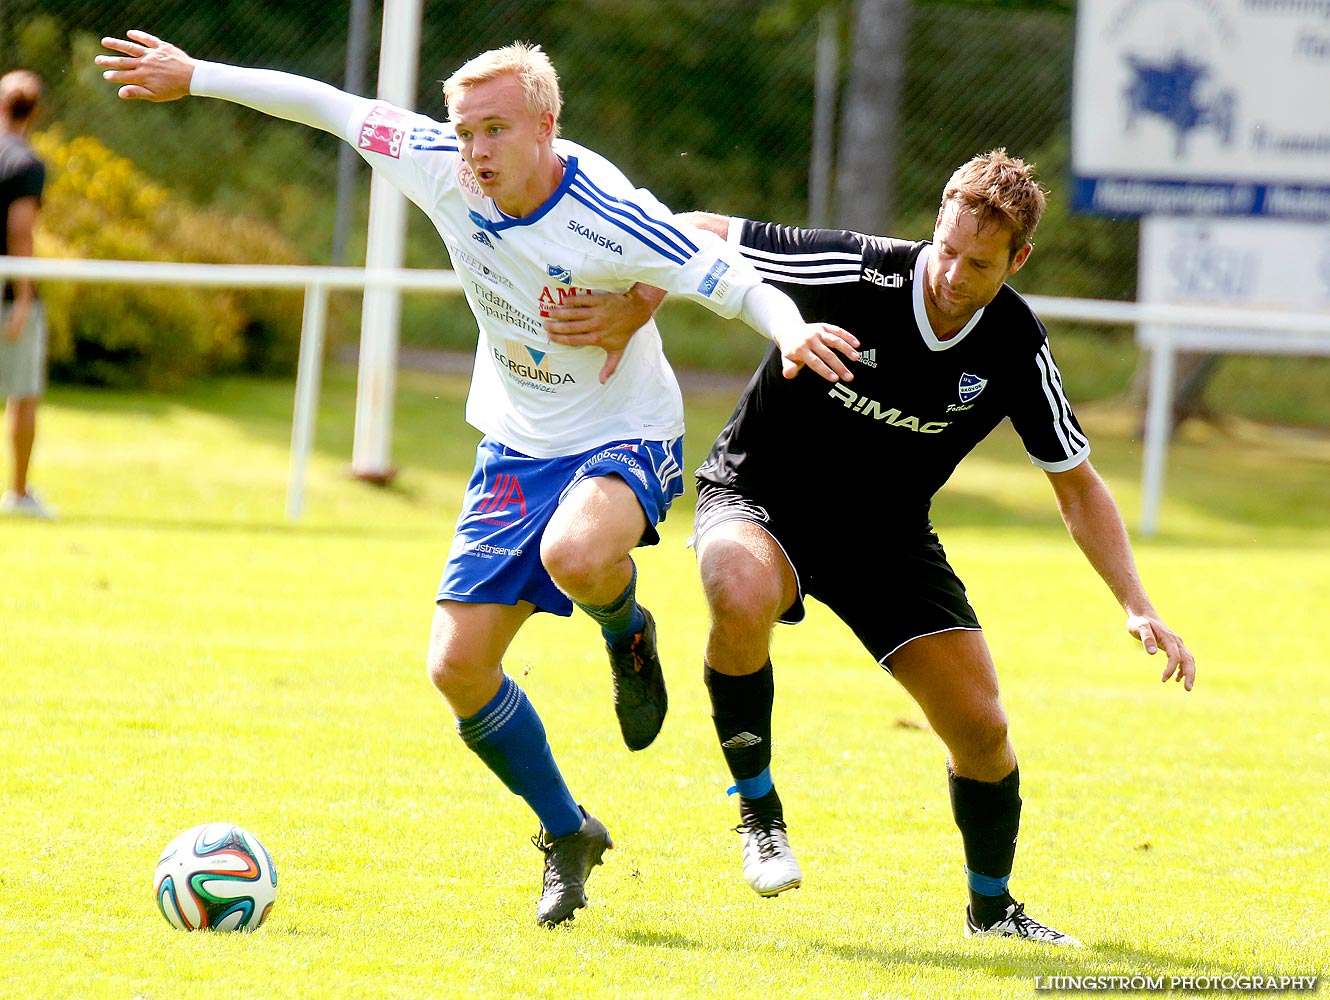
point(98, 205)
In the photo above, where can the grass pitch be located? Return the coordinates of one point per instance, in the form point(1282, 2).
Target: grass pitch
point(173, 651)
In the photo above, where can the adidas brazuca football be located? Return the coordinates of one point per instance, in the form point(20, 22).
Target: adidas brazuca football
point(215, 877)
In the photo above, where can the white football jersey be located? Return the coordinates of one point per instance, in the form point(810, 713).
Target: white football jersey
point(595, 233)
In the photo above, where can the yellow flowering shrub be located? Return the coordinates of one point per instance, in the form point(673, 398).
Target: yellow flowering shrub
point(98, 205)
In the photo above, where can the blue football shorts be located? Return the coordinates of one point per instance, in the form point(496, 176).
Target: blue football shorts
point(495, 554)
point(889, 584)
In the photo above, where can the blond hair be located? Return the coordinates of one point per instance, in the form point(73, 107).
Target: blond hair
point(999, 190)
point(20, 91)
point(531, 66)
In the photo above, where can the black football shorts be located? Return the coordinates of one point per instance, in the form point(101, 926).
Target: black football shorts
point(888, 584)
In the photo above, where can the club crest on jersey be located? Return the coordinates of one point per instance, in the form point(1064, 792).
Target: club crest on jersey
point(971, 386)
point(383, 131)
point(560, 273)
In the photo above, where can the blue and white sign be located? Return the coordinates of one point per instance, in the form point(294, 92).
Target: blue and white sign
point(1202, 107)
point(1268, 265)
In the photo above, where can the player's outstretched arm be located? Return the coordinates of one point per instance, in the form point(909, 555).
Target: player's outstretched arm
point(153, 70)
point(1095, 523)
point(148, 68)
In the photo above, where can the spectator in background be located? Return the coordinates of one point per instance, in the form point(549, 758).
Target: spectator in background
point(22, 320)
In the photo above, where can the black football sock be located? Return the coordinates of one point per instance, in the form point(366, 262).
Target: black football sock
point(988, 814)
point(765, 811)
point(741, 711)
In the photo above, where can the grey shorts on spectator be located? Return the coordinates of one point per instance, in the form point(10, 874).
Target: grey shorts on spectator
point(23, 362)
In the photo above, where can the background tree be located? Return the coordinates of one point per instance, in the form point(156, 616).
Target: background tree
point(866, 160)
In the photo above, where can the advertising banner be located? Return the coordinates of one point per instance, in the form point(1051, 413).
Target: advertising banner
point(1202, 107)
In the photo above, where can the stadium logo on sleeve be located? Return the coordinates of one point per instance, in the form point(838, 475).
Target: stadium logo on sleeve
point(383, 131)
point(971, 386)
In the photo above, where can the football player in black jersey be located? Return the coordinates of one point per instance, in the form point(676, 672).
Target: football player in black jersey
point(947, 350)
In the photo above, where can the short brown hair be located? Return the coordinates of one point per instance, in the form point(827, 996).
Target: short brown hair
point(529, 63)
point(999, 190)
point(20, 90)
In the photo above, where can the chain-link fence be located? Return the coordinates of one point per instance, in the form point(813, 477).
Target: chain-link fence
point(709, 104)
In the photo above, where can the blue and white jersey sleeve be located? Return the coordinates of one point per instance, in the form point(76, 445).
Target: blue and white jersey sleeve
point(404, 147)
point(650, 245)
point(653, 246)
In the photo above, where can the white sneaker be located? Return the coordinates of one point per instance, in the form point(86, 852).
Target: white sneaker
point(1017, 924)
point(769, 863)
point(25, 505)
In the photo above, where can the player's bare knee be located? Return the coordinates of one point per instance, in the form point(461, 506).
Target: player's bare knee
point(981, 742)
point(574, 567)
point(436, 668)
point(742, 598)
point(455, 679)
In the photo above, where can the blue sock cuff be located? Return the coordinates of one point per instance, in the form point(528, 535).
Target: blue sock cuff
point(753, 788)
point(496, 714)
point(986, 885)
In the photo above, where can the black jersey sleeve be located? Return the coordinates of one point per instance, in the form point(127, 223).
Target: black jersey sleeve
point(812, 266)
point(1043, 417)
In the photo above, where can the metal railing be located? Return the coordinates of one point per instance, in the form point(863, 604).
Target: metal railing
point(1172, 328)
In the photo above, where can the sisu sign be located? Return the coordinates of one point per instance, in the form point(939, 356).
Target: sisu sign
point(1255, 264)
point(1202, 107)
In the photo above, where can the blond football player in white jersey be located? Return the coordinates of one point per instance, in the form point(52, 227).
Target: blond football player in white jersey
point(581, 455)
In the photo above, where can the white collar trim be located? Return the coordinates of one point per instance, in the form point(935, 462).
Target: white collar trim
point(921, 313)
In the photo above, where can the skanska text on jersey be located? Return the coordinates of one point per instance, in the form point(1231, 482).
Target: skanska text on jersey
point(856, 403)
point(587, 233)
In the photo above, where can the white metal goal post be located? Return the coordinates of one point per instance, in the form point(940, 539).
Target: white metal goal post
point(1167, 330)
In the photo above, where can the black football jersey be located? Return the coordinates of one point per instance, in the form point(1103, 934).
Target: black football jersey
point(886, 441)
